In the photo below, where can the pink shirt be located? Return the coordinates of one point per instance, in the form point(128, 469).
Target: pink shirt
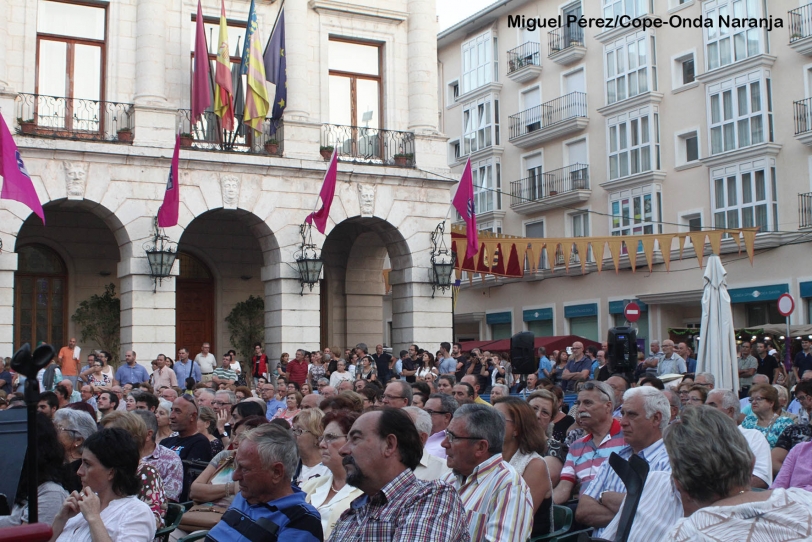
point(796, 471)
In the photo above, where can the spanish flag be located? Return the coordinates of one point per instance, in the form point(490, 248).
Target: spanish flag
point(256, 100)
point(223, 92)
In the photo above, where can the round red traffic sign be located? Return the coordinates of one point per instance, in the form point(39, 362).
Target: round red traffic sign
point(786, 304)
point(632, 312)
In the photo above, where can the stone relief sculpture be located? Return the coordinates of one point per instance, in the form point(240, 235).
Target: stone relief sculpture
point(230, 185)
point(366, 199)
point(75, 178)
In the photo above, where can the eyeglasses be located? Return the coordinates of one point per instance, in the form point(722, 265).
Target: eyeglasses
point(72, 431)
point(452, 437)
point(330, 438)
point(756, 399)
point(697, 400)
point(802, 397)
point(391, 397)
point(220, 403)
point(298, 431)
point(433, 412)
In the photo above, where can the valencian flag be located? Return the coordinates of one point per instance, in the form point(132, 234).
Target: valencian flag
point(464, 204)
point(17, 184)
point(328, 190)
point(276, 67)
point(223, 91)
point(201, 89)
point(168, 213)
point(256, 99)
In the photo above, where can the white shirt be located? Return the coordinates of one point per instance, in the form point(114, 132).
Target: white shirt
point(431, 468)
point(659, 510)
point(763, 469)
point(236, 367)
point(207, 362)
point(312, 472)
point(126, 520)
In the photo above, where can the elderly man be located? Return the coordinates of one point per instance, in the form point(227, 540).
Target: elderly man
point(87, 396)
point(311, 400)
point(189, 443)
point(440, 408)
point(327, 391)
point(169, 394)
point(684, 352)
point(463, 393)
point(651, 362)
point(594, 407)
point(706, 380)
point(728, 402)
point(674, 403)
point(474, 383)
point(268, 394)
point(430, 467)
point(165, 461)
point(268, 507)
point(496, 498)
point(131, 372)
point(73, 396)
point(671, 363)
point(577, 368)
point(398, 394)
point(119, 391)
point(205, 397)
point(381, 452)
point(207, 362)
point(645, 416)
point(499, 390)
point(619, 385)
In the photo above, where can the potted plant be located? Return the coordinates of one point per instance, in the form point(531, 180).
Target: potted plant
point(403, 159)
point(272, 146)
point(27, 126)
point(186, 140)
point(553, 192)
point(326, 152)
point(125, 135)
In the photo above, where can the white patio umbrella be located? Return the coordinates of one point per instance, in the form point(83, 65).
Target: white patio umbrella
point(716, 353)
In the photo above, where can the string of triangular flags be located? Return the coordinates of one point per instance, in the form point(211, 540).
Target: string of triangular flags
point(489, 260)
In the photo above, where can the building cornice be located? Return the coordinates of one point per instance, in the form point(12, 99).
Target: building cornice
point(736, 68)
point(762, 149)
point(635, 102)
point(380, 14)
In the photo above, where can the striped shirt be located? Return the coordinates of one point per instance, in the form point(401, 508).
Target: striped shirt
point(608, 480)
point(584, 458)
point(497, 501)
point(659, 510)
point(225, 374)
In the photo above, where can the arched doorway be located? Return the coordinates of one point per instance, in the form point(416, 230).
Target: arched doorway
point(40, 308)
point(194, 305)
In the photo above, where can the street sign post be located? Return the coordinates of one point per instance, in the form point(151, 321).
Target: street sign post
point(632, 312)
point(786, 305)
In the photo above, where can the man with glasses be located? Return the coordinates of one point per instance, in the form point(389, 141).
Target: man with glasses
point(397, 394)
point(706, 380)
point(594, 408)
point(577, 368)
point(268, 394)
point(798, 433)
point(795, 406)
point(496, 498)
point(441, 408)
point(671, 363)
point(747, 368)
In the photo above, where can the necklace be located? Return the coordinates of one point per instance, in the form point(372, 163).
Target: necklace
point(333, 487)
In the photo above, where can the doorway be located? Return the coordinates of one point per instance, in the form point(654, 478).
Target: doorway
point(194, 305)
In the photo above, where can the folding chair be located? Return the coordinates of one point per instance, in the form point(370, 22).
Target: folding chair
point(193, 537)
point(174, 513)
point(562, 521)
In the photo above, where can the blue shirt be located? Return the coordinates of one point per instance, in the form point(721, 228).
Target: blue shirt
point(274, 406)
point(131, 375)
point(545, 364)
point(305, 528)
point(691, 365)
point(448, 366)
point(573, 366)
point(185, 370)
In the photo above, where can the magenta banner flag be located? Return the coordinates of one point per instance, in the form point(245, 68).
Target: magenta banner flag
point(464, 204)
point(328, 190)
point(17, 184)
point(201, 83)
point(168, 213)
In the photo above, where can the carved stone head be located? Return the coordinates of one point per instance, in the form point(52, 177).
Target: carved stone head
point(366, 199)
point(75, 178)
point(230, 185)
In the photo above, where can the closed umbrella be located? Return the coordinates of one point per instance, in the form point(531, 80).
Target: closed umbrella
point(717, 344)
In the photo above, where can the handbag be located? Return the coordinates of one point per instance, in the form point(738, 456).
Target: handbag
point(201, 516)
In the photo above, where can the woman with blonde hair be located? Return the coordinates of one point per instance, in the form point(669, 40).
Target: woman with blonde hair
point(307, 430)
point(207, 426)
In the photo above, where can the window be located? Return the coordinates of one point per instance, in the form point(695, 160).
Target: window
point(535, 230)
point(687, 147)
point(40, 308)
point(691, 148)
point(739, 114)
point(688, 74)
point(70, 65)
point(627, 67)
point(355, 83)
point(487, 184)
point(723, 44)
point(480, 121)
point(580, 228)
point(744, 196)
point(453, 91)
point(759, 314)
point(479, 65)
point(634, 143)
point(636, 213)
point(694, 222)
point(684, 70)
point(632, 8)
point(453, 150)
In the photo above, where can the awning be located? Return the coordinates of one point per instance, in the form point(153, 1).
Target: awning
point(559, 342)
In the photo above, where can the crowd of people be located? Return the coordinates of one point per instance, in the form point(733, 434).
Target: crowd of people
point(341, 444)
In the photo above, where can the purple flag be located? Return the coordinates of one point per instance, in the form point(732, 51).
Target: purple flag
point(328, 190)
point(201, 83)
point(464, 204)
point(168, 213)
point(17, 183)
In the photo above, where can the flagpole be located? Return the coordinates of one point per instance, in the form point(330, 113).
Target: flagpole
point(278, 14)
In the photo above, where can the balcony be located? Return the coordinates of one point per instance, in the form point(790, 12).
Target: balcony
point(803, 121)
point(566, 45)
point(805, 210)
point(800, 29)
point(369, 145)
point(551, 120)
point(208, 134)
point(542, 191)
point(72, 118)
point(524, 62)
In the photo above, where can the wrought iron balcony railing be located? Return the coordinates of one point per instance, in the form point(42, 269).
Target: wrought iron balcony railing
point(803, 116)
point(800, 23)
point(564, 38)
point(72, 118)
point(539, 185)
point(369, 145)
point(566, 107)
point(523, 55)
point(805, 210)
point(208, 134)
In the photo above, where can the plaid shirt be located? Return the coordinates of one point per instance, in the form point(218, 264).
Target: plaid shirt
point(406, 509)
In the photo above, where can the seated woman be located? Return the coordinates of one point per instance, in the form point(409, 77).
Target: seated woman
point(50, 474)
point(330, 494)
point(544, 404)
point(106, 508)
point(711, 464)
point(795, 470)
point(162, 417)
point(697, 396)
point(74, 428)
point(523, 446)
point(294, 404)
point(766, 416)
point(207, 426)
point(307, 431)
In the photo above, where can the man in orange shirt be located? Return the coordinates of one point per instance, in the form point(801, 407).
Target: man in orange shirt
point(69, 361)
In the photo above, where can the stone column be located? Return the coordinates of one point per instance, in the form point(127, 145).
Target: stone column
point(296, 50)
point(416, 317)
point(292, 321)
point(8, 265)
point(422, 66)
point(150, 57)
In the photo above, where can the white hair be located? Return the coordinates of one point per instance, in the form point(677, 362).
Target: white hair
point(709, 378)
point(165, 405)
point(421, 419)
point(653, 401)
point(729, 400)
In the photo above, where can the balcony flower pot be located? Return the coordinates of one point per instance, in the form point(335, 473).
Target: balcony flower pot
point(125, 135)
point(403, 159)
point(326, 152)
point(27, 127)
point(186, 141)
point(553, 192)
point(272, 146)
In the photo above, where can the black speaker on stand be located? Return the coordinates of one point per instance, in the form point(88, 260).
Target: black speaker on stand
point(522, 355)
point(622, 350)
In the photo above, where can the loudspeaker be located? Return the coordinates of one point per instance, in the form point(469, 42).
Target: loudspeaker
point(622, 349)
point(521, 353)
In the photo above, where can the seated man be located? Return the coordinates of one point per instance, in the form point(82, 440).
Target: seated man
point(268, 507)
point(430, 468)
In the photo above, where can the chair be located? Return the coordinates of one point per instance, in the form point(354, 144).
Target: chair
point(575, 536)
point(193, 537)
point(174, 513)
point(562, 521)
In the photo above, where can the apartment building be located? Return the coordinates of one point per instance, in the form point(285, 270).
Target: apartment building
point(641, 127)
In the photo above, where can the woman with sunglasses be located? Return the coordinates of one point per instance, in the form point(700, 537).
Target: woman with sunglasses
point(330, 494)
point(307, 430)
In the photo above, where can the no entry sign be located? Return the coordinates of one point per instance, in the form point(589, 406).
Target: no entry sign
point(786, 304)
point(632, 312)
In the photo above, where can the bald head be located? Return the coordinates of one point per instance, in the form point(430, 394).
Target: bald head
point(311, 400)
